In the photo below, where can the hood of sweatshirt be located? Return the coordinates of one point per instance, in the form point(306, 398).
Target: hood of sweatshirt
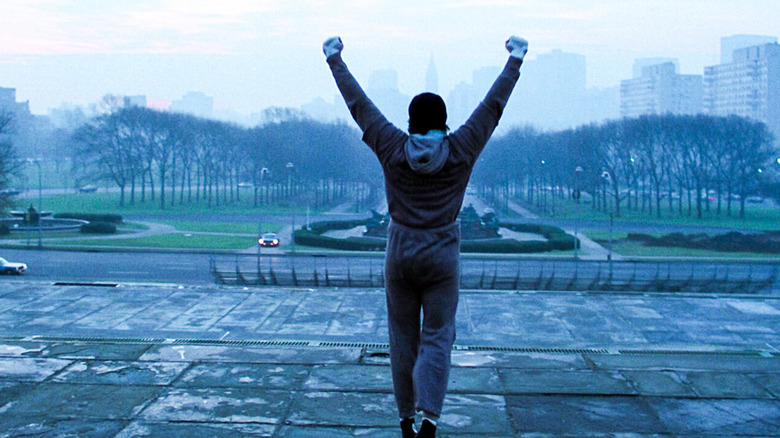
point(426, 154)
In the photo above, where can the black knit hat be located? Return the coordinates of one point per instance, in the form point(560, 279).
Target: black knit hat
point(427, 112)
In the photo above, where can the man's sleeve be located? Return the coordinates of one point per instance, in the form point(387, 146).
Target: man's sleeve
point(368, 117)
point(475, 133)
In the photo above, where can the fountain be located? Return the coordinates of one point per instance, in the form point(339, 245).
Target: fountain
point(31, 220)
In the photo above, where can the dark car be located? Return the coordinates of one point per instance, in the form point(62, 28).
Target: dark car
point(269, 239)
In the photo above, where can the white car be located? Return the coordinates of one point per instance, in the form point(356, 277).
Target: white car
point(7, 267)
point(269, 239)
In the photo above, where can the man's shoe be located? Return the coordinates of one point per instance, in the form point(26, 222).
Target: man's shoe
point(427, 430)
point(407, 428)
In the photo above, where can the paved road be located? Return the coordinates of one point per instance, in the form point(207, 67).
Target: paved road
point(488, 273)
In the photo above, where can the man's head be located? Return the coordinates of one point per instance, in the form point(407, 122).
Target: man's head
point(427, 112)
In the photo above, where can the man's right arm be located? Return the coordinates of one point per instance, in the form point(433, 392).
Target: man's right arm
point(484, 120)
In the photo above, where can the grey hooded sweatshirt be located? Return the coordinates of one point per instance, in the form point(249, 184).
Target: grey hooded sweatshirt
point(425, 175)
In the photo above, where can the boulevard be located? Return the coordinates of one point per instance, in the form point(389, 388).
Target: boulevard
point(189, 268)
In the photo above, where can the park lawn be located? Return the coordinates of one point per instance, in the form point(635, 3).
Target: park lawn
point(221, 227)
point(757, 217)
point(173, 240)
point(108, 203)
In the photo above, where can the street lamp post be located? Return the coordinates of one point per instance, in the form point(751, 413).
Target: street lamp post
point(291, 169)
point(606, 177)
point(37, 162)
point(263, 172)
point(577, 194)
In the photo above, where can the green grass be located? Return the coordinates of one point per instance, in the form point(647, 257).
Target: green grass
point(108, 203)
point(756, 217)
point(54, 174)
point(221, 227)
point(174, 240)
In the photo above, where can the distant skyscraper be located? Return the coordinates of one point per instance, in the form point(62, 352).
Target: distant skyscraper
point(731, 43)
point(195, 103)
point(9, 104)
point(660, 90)
point(641, 63)
point(139, 100)
point(748, 86)
point(383, 91)
point(431, 78)
point(551, 91)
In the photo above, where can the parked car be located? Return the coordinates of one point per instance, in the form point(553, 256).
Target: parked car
point(88, 189)
point(11, 191)
point(269, 239)
point(7, 267)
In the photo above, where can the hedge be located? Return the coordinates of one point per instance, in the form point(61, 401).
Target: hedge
point(734, 241)
point(557, 239)
point(110, 218)
point(98, 228)
point(310, 238)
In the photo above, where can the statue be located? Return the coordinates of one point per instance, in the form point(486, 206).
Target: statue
point(32, 217)
point(474, 227)
point(377, 225)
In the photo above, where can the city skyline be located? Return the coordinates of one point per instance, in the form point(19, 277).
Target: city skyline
point(252, 55)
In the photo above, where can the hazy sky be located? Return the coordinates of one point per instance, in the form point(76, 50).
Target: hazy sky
point(251, 54)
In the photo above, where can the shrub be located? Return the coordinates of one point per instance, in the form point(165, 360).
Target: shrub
point(98, 228)
point(110, 218)
point(310, 238)
point(557, 239)
point(4, 230)
point(728, 242)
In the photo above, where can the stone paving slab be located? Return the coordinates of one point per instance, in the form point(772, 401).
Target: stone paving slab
point(63, 401)
point(28, 425)
point(562, 414)
point(147, 429)
point(218, 405)
point(271, 376)
point(545, 365)
point(121, 373)
point(719, 417)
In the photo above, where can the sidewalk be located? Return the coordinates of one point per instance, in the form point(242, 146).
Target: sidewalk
point(163, 360)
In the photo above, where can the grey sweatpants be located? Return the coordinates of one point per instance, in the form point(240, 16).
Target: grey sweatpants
point(421, 272)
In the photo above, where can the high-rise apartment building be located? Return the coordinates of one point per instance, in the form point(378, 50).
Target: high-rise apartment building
point(431, 78)
point(735, 42)
point(661, 90)
point(749, 86)
point(195, 103)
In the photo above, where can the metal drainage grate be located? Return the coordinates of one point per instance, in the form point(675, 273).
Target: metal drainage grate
point(107, 340)
point(533, 350)
point(250, 343)
point(86, 283)
point(748, 353)
point(377, 346)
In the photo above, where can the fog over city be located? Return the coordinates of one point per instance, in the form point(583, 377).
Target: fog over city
point(250, 55)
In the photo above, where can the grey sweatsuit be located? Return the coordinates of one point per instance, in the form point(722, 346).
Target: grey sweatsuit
point(425, 182)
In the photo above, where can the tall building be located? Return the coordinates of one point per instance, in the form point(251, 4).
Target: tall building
point(552, 90)
point(641, 63)
point(735, 42)
point(749, 86)
point(383, 91)
point(138, 100)
point(195, 103)
point(661, 90)
point(8, 103)
point(431, 78)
